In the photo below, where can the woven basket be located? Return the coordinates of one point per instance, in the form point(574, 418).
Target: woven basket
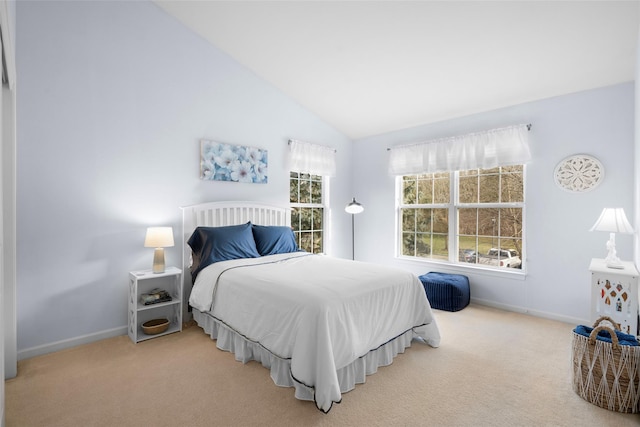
point(606, 374)
point(155, 326)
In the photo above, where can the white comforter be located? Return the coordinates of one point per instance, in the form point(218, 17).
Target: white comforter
point(322, 313)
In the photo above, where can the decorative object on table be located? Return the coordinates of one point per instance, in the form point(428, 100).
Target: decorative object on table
point(156, 296)
point(579, 173)
point(614, 221)
point(353, 208)
point(158, 238)
point(606, 366)
point(226, 162)
point(155, 326)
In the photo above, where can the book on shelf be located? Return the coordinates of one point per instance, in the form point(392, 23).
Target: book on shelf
point(155, 296)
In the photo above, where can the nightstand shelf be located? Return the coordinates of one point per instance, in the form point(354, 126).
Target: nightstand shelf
point(142, 307)
point(141, 282)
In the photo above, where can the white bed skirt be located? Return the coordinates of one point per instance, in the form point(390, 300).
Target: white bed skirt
point(349, 376)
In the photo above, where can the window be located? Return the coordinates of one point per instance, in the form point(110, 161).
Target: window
point(306, 195)
point(469, 217)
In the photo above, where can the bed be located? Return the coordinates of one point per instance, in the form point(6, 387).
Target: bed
point(319, 324)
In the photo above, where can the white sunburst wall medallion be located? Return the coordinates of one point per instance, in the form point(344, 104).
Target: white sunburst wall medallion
point(579, 173)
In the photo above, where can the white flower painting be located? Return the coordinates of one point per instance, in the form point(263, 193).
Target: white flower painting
point(225, 162)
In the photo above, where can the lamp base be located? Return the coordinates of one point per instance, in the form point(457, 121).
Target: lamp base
point(158, 260)
point(612, 259)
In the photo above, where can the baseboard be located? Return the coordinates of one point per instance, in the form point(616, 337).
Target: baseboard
point(86, 339)
point(71, 342)
point(536, 313)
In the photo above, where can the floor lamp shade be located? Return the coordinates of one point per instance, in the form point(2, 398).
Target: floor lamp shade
point(159, 238)
point(353, 208)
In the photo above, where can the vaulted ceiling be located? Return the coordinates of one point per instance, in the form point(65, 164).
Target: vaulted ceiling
point(371, 67)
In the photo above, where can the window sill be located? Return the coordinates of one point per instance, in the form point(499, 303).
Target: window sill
point(514, 274)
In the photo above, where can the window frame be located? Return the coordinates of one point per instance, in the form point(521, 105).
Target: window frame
point(453, 206)
point(324, 205)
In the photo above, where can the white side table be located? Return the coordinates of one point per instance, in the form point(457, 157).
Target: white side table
point(142, 282)
point(614, 293)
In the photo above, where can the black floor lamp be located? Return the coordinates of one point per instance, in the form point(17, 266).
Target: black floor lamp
point(353, 208)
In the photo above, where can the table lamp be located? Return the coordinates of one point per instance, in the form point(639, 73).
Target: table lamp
point(614, 221)
point(158, 238)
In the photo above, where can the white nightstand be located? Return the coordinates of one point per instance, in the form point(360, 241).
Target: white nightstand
point(614, 293)
point(141, 282)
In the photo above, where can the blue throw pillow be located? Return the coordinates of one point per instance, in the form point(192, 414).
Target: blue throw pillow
point(214, 244)
point(272, 239)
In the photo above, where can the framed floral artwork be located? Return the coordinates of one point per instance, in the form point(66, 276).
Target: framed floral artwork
point(226, 162)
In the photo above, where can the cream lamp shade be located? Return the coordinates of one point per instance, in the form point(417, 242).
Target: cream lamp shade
point(613, 220)
point(159, 238)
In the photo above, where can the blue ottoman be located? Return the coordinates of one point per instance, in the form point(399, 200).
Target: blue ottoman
point(448, 292)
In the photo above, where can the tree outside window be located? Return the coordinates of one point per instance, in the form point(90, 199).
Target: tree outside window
point(306, 195)
point(482, 211)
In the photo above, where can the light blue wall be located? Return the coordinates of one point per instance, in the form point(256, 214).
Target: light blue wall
point(113, 99)
point(559, 246)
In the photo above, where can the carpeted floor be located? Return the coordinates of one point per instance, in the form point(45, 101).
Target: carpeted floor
point(494, 368)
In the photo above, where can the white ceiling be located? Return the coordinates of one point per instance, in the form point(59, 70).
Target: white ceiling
point(370, 67)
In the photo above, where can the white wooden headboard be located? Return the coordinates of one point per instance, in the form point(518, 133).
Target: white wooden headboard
point(219, 214)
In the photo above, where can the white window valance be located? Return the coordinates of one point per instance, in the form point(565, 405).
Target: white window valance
point(480, 150)
point(312, 158)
